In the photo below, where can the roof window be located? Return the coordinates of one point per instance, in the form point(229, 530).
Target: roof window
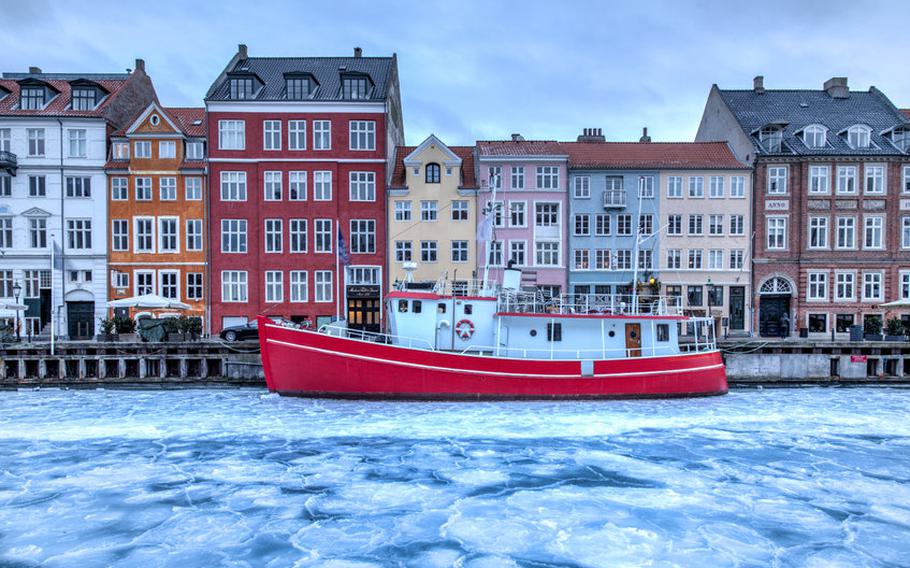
point(859, 136)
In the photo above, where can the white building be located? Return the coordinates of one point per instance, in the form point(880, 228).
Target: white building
point(53, 191)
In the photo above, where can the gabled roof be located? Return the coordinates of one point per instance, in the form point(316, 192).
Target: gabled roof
point(465, 153)
point(327, 71)
point(189, 121)
point(63, 84)
point(519, 148)
point(652, 155)
point(796, 109)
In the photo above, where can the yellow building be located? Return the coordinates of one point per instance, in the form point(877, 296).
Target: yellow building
point(432, 212)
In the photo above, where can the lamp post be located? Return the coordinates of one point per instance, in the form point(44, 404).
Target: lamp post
point(17, 289)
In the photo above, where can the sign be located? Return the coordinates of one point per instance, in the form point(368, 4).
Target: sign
point(777, 204)
point(858, 358)
point(363, 291)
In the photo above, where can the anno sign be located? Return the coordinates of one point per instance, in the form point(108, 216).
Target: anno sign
point(777, 204)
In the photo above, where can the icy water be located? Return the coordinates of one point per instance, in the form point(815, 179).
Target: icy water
point(812, 477)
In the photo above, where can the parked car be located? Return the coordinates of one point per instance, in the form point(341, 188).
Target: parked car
point(247, 331)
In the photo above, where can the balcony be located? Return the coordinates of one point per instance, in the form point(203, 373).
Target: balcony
point(613, 198)
point(8, 162)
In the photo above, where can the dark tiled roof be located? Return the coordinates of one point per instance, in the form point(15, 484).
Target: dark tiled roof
point(466, 153)
point(800, 108)
point(651, 155)
point(326, 70)
point(507, 148)
point(59, 82)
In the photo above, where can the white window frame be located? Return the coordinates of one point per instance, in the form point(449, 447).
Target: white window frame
point(271, 135)
point(192, 188)
point(298, 232)
point(846, 176)
point(853, 228)
point(820, 224)
point(881, 286)
point(817, 286)
point(194, 237)
point(234, 286)
point(167, 149)
point(716, 189)
point(362, 186)
point(273, 236)
point(362, 135)
point(841, 283)
point(674, 187)
point(323, 282)
point(233, 186)
point(738, 187)
point(297, 135)
point(274, 286)
point(696, 187)
point(322, 185)
point(321, 135)
point(819, 180)
point(784, 228)
point(581, 186)
point(272, 189)
point(168, 184)
point(777, 180)
point(297, 184)
point(138, 223)
point(878, 175)
point(231, 135)
point(868, 223)
point(298, 286)
point(174, 221)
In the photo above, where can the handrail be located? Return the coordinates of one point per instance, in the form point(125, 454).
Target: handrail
point(527, 353)
point(376, 336)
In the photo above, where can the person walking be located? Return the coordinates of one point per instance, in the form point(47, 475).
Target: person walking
point(784, 325)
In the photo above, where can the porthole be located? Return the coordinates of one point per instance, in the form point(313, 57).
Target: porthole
point(533, 333)
point(612, 333)
point(155, 120)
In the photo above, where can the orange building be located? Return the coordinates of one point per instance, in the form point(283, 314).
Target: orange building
point(157, 208)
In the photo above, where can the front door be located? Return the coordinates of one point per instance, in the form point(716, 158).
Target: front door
point(633, 339)
point(80, 317)
point(770, 309)
point(737, 307)
point(363, 314)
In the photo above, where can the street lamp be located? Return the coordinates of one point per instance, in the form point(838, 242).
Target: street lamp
point(17, 289)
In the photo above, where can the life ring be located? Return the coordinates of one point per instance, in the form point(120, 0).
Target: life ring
point(464, 329)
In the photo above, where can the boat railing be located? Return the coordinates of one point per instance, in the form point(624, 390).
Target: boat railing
point(460, 288)
point(560, 354)
point(376, 337)
point(606, 304)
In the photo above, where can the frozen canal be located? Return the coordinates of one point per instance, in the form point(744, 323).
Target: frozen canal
point(814, 477)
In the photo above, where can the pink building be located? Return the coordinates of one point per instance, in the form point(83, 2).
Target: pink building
point(530, 178)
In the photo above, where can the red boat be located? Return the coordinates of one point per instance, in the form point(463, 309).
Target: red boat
point(507, 345)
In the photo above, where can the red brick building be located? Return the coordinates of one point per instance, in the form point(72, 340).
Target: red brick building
point(831, 203)
point(299, 150)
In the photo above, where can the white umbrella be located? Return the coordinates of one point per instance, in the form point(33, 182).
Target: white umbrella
point(14, 307)
point(897, 304)
point(148, 301)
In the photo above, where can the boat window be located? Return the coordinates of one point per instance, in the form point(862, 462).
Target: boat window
point(402, 306)
point(533, 333)
point(418, 306)
point(554, 332)
point(468, 309)
point(441, 308)
point(612, 333)
point(663, 332)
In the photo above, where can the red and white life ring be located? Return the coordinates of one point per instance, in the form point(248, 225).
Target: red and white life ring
point(464, 329)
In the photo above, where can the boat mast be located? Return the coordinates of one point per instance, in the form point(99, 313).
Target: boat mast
point(641, 181)
point(489, 244)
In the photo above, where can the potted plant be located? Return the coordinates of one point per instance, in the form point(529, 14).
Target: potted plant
point(107, 330)
point(872, 328)
point(894, 330)
point(126, 328)
point(183, 327)
point(194, 327)
point(171, 329)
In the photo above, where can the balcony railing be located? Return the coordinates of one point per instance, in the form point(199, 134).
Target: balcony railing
point(613, 198)
point(8, 162)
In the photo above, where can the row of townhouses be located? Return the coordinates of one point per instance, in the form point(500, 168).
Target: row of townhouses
point(291, 194)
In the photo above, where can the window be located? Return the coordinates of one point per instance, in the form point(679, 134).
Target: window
point(432, 173)
point(777, 180)
point(674, 187)
point(582, 224)
point(354, 88)
point(818, 286)
point(324, 286)
point(872, 286)
point(547, 214)
point(272, 186)
point(646, 187)
point(169, 285)
point(818, 232)
point(120, 279)
point(168, 234)
point(120, 235)
point(143, 189)
point(554, 331)
point(663, 332)
point(298, 285)
point(297, 229)
point(646, 224)
point(736, 259)
point(601, 225)
point(144, 240)
point(192, 189)
point(322, 186)
point(167, 149)
point(145, 282)
point(32, 98)
point(274, 238)
point(716, 187)
point(35, 142)
point(582, 259)
point(777, 233)
point(78, 187)
point(402, 210)
point(547, 177)
point(322, 135)
point(696, 224)
point(818, 180)
point(167, 187)
point(874, 230)
point(297, 186)
point(845, 286)
point(494, 253)
point(195, 151)
point(194, 286)
point(905, 285)
point(194, 234)
point(715, 259)
point(84, 98)
point(846, 180)
point(143, 149)
point(37, 186)
point(363, 186)
point(296, 135)
point(233, 286)
point(297, 88)
point(694, 296)
point(362, 135)
point(674, 259)
point(428, 210)
point(363, 236)
point(623, 260)
point(233, 235)
point(271, 135)
point(875, 179)
point(645, 259)
point(905, 232)
point(517, 217)
point(814, 136)
point(459, 251)
point(547, 253)
point(624, 225)
point(858, 136)
point(274, 286)
point(77, 143)
point(695, 259)
point(5, 140)
point(242, 88)
point(79, 234)
point(696, 186)
point(517, 252)
point(737, 225)
point(494, 174)
point(6, 186)
point(6, 232)
point(738, 187)
point(428, 250)
point(772, 137)
point(459, 210)
point(323, 236)
point(403, 251)
point(715, 295)
point(518, 177)
point(674, 224)
point(818, 323)
point(715, 224)
point(231, 135)
point(614, 183)
point(846, 232)
point(37, 233)
point(233, 186)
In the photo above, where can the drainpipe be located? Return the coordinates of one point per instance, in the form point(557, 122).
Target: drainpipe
point(62, 234)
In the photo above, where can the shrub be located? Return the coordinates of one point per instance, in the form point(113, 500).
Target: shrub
point(107, 326)
point(125, 324)
point(873, 325)
point(894, 326)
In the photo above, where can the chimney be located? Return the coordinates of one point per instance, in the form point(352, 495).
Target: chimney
point(758, 84)
point(358, 53)
point(241, 51)
point(837, 88)
point(644, 136)
point(516, 137)
point(592, 135)
point(140, 65)
point(34, 70)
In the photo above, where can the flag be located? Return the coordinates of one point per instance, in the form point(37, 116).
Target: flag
point(56, 256)
point(485, 227)
point(343, 256)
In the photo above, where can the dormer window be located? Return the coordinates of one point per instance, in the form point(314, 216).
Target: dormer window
point(84, 98)
point(32, 98)
point(355, 88)
point(242, 88)
point(858, 136)
point(901, 138)
point(815, 136)
point(298, 88)
point(432, 175)
point(121, 150)
point(772, 138)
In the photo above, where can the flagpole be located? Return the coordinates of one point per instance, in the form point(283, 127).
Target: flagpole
point(52, 293)
point(338, 272)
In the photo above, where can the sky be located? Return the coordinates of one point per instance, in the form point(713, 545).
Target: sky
point(475, 70)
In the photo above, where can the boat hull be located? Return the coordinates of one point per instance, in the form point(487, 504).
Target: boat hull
point(306, 363)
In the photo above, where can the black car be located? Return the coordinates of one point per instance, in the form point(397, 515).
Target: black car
point(243, 332)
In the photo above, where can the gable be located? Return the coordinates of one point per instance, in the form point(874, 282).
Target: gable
point(153, 120)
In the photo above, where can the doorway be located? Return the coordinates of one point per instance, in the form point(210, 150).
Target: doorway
point(80, 317)
point(633, 339)
point(770, 309)
point(737, 308)
point(363, 314)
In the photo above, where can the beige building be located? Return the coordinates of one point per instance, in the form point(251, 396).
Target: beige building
point(705, 244)
point(432, 212)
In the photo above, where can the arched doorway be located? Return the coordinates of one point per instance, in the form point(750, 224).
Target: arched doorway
point(80, 314)
point(774, 301)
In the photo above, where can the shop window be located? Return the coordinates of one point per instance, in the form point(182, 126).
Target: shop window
point(818, 323)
